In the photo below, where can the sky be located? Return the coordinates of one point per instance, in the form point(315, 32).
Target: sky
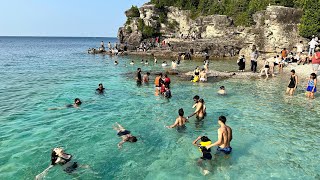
point(76, 18)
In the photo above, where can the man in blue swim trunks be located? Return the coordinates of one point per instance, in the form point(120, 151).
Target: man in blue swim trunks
point(224, 137)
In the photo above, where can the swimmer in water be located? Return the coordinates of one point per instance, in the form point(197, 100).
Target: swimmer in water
point(222, 91)
point(155, 59)
point(100, 89)
point(199, 103)
point(59, 157)
point(76, 104)
point(199, 112)
point(132, 63)
point(167, 92)
point(180, 122)
point(206, 153)
point(224, 137)
point(174, 65)
point(146, 63)
point(146, 78)
point(164, 63)
point(158, 82)
point(124, 134)
point(116, 63)
point(142, 61)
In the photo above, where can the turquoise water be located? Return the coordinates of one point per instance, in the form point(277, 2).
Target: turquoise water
point(275, 137)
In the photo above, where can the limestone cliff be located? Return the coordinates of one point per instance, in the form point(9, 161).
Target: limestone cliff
point(275, 28)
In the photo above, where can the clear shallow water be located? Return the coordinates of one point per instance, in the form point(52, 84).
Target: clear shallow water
point(275, 137)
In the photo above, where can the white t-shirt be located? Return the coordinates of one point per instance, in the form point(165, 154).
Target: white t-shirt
point(254, 56)
point(299, 47)
point(313, 43)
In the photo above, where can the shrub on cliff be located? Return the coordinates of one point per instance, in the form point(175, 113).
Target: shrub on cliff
point(310, 21)
point(147, 31)
point(241, 11)
point(133, 12)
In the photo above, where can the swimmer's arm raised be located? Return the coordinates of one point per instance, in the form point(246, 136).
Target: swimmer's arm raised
point(194, 105)
point(195, 141)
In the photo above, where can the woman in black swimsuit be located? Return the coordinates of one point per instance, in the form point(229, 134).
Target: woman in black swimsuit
point(292, 83)
point(58, 156)
point(124, 134)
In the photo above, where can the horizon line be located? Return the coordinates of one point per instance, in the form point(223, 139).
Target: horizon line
point(60, 36)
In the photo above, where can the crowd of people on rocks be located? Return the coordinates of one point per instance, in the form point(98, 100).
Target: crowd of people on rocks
point(112, 50)
point(299, 55)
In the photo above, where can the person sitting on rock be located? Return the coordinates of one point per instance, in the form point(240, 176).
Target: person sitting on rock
point(196, 74)
point(203, 75)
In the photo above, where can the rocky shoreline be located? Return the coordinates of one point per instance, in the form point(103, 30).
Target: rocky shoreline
point(275, 28)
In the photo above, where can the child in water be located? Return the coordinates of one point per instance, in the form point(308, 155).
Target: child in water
point(206, 153)
point(312, 86)
point(222, 91)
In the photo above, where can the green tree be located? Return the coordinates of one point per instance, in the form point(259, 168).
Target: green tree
point(133, 12)
point(310, 21)
point(242, 11)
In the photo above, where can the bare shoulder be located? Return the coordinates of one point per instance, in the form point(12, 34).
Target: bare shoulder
point(229, 129)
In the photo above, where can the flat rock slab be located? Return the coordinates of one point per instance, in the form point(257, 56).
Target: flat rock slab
point(241, 75)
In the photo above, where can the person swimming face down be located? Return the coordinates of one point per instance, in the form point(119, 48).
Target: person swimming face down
point(132, 139)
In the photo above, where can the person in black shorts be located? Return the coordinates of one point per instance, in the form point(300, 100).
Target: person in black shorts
point(124, 134)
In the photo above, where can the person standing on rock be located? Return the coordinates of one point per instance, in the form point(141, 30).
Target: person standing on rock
point(271, 66)
point(102, 45)
point(313, 43)
point(109, 46)
point(316, 61)
point(254, 58)
point(300, 48)
point(241, 63)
